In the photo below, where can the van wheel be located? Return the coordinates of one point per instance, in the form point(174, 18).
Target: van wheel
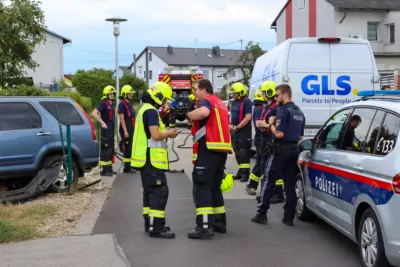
point(370, 242)
point(302, 213)
point(61, 184)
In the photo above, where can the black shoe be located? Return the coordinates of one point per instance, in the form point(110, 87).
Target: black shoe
point(238, 176)
point(129, 170)
point(146, 228)
point(203, 233)
point(244, 179)
point(107, 174)
point(287, 222)
point(165, 233)
point(277, 200)
point(261, 219)
point(220, 229)
point(250, 191)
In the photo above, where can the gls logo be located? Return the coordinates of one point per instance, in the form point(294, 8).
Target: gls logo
point(269, 71)
point(311, 85)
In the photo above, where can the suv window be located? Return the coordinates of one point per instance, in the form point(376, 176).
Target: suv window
point(388, 134)
point(328, 137)
point(68, 113)
point(19, 116)
point(354, 136)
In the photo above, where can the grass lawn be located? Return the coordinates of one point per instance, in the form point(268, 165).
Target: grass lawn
point(20, 222)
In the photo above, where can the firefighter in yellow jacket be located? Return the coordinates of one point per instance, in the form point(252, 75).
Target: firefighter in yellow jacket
point(150, 155)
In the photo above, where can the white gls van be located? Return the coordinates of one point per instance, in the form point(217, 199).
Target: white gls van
point(324, 74)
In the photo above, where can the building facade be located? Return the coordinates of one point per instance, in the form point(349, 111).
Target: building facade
point(213, 62)
point(50, 57)
point(373, 20)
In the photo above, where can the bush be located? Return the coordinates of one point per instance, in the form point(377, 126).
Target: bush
point(86, 103)
point(83, 101)
point(74, 96)
point(23, 90)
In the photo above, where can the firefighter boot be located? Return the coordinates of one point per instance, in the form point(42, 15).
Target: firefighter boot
point(128, 168)
point(220, 223)
point(238, 175)
point(261, 219)
point(106, 171)
point(159, 229)
point(278, 196)
point(202, 229)
point(146, 222)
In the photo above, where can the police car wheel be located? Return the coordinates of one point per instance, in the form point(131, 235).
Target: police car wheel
point(370, 241)
point(302, 213)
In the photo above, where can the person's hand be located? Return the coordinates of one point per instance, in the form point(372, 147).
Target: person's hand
point(103, 125)
point(126, 134)
point(172, 133)
point(271, 120)
point(235, 128)
point(258, 123)
point(231, 127)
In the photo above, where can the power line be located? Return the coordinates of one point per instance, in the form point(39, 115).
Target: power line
point(98, 52)
point(105, 61)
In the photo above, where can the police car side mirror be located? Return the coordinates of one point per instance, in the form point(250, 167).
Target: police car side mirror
point(306, 145)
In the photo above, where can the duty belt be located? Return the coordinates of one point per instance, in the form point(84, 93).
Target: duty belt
point(200, 133)
point(157, 144)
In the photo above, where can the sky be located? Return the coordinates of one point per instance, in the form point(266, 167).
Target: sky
point(156, 23)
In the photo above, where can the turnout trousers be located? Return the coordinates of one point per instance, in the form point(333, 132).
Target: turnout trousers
point(257, 171)
point(155, 197)
point(241, 144)
point(208, 172)
point(126, 149)
point(107, 150)
point(284, 163)
point(172, 118)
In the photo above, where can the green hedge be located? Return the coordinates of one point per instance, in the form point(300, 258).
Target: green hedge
point(83, 101)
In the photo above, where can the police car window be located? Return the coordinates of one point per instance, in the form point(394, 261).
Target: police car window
point(373, 132)
point(328, 138)
point(18, 116)
point(68, 113)
point(354, 136)
point(388, 134)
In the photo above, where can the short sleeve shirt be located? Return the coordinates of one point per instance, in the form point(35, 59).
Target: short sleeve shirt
point(150, 118)
point(104, 110)
point(122, 110)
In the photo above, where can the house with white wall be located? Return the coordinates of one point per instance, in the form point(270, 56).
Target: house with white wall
point(50, 57)
point(213, 62)
point(375, 20)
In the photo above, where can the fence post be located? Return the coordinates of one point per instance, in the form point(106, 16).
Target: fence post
point(69, 157)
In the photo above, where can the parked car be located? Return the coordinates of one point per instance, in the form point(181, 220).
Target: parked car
point(349, 175)
point(30, 139)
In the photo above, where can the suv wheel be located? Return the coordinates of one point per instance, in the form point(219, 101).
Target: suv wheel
point(302, 213)
point(370, 242)
point(61, 184)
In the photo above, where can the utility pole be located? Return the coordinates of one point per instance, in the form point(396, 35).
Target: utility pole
point(134, 64)
point(241, 44)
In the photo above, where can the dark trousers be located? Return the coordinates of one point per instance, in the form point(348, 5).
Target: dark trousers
point(208, 172)
point(126, 149)
point(107, 148)
point(172, 118)
point(241, 146)
point(257, 171)
point(284, 163)
point(155, 197)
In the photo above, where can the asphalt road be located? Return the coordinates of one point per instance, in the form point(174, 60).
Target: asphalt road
point(245, 244)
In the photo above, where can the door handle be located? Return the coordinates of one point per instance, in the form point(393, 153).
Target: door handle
point(327, 162)
point(358, 168)
point(43, 134)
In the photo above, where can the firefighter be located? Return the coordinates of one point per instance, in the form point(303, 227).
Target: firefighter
point(173, 111)
point(214, 144)
point(127, 123)
point(256, 173)
point(150, 155)
point(242, 133)
point(106, 110)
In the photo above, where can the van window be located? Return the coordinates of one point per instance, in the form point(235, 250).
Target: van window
point(68, 113)
point(388, 134)
point(309, 57)
point(329, 136)
point(360, 55)
point(373, 132)
point(19, 116)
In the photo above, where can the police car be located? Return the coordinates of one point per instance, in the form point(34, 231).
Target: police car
point(349, 175)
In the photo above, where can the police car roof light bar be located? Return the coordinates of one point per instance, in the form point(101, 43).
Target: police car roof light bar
point(329, 40)
point(366, 93)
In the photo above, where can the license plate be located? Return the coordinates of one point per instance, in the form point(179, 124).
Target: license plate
point(310, 132)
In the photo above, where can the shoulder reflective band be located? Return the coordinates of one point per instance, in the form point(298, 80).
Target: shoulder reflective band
point(129, 113)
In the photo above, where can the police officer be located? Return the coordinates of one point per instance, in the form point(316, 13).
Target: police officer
point(214, 143)
point(106, 109)
point(150, 155)
point(241, 112)
point(173, 111)
point(287, 129)
point(255, 175)
point(127, 123)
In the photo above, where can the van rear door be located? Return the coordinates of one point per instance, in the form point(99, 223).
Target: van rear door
point(309, 76)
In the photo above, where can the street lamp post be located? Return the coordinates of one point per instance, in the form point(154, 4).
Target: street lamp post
point(116, 21)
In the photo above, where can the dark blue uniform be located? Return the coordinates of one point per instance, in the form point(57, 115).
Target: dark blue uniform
point(257, 171)
point(241, 141)
point(173, 113)
point(107, 114)
point(126, 108)
point(289, 120)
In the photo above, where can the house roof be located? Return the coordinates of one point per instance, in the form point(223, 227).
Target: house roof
point(65, 39)
point(188, 57)
point(69, 76)
point(354, 5)
point(125, 69)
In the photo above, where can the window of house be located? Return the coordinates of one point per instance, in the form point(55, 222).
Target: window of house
point(301, 4)
point(232, 74)
point(19, 116)
point(221, 74)
point(150, 56)
point(392, 34)
point(150, 74)
point(68, 113)
point(388, 133)
point(372, 31)
point(145, 74)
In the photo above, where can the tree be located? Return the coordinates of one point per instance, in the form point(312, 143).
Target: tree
point(137, 84)
point(22, 30)
point(246, 62)
point(92, 82)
